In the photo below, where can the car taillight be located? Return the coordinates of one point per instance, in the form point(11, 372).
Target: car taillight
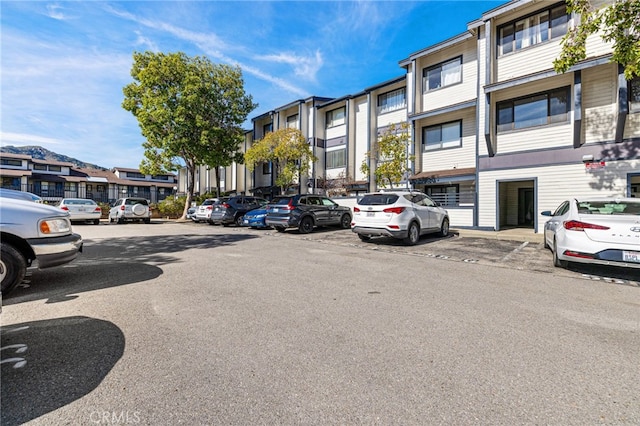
point(122, 208)
point(209, 207)
point(356, 210)
point(576, 225)
point(396, 210)
point(65, 208)
point(98, 209)
point(225, 205)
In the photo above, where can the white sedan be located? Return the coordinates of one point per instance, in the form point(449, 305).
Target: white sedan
point(81, 209)
point(604, 231)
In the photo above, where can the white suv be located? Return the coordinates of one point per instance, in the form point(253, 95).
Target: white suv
point(399, 214)
point(128, 209)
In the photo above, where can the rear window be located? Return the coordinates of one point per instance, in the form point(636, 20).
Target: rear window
point(78, 202)
point(378, 199)
point(134, 201)
point(609, 207)
point(282, 201)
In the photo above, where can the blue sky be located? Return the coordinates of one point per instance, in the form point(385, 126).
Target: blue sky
point(64, 63)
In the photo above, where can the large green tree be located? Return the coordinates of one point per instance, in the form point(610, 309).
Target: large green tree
point(618, 23)
point(288, 152)
point(190, 111)
point(391, 155)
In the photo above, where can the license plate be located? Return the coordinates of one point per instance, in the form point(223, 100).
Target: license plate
point(275, 210)
point(370, 214)
point(631, 256)
point(246, 221)
point(81, 209)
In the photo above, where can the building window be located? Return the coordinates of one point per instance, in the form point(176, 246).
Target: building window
point(266, 168)
point(160, 177)
point(292, 122)
point(55, 168)
point(447, 135)
point(336, 159)
point(392, 101)
point(335, 117)
point(39, 167)
point(535, 110)
point(267, 128)
point(634, 94)
point(11, 162)
point(135, 175)
point(70, 186)
point(534, 29)
point(443, 74)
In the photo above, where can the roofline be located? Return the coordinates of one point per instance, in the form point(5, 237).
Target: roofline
point(436, 47)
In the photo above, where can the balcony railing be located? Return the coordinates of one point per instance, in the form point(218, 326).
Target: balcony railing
point(460, 199)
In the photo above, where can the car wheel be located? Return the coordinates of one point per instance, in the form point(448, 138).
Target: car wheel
point(444, 228)
point(345, 221)
point(239, 220)
point(138, 209)
point(96, 222)
point(557, 262)
point(364, 237)
point(306, 225)
point(147, 220)
point(413, 235)
point(13, 267)
point(120, 220)
point(280, 228)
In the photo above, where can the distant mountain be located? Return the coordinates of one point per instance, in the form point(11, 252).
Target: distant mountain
point(40, 153)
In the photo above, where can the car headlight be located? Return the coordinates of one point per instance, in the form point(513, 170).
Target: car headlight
point(54, 226)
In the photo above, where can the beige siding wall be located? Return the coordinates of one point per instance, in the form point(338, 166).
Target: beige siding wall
point(336, 173)
point(362, 130)
point(456, 93)
point(460, 217)
point(535, 138)
point(528, 61)
point(394, 117)
point(555, 184)
point(462, 157)
point(336, 132)
point(599, 99)
point(632, 127)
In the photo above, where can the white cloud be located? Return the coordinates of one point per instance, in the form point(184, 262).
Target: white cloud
point(145, 41)
point(305, 67)
point(27, 139)
point(214, 46)
point(54, 11)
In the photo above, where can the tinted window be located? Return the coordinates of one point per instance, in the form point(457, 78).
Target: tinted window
point(281, 200)
point(134, 201)
point(562, 209)
point(609, 207)
point(378, 199)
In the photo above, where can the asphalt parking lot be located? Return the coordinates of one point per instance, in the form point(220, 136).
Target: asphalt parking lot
point(184, 323)
point(467, 247)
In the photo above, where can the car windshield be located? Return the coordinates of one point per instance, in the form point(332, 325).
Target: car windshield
point(378, 199)
point(612, 207)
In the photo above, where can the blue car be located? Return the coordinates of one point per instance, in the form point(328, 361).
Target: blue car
point(255, 218)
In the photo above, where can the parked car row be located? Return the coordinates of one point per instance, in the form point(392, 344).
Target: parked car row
point(405, 215)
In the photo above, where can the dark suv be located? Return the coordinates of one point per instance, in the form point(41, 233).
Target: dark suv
point(232, 210)
point(306, 212)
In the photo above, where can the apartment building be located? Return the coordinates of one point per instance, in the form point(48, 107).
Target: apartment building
point(54, 180)
point(496, 134)
point(443, 84)
point(545, 137)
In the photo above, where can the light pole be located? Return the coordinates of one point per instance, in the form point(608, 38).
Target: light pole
point(175, 192)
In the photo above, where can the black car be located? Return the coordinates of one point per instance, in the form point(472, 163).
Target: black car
point(306, 212)
point(232, 210)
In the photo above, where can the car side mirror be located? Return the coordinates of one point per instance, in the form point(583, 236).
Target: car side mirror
point(546, 213)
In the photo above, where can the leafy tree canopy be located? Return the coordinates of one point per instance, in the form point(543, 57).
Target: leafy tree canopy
point(618, 23)
point(391, 156)
point(287, 150)
point(189, 110)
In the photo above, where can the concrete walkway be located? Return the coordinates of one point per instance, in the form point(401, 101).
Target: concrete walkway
point(512, 234)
